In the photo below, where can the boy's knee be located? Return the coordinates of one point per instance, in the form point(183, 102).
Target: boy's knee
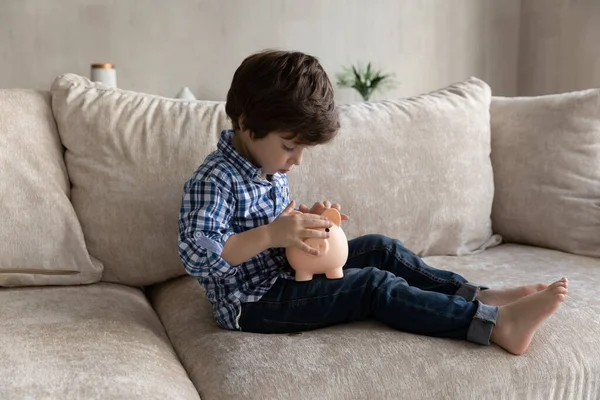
point(375, 243)
point(386, 241)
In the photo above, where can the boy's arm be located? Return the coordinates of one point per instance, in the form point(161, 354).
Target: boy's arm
point(288, 229)
point(243, 246)
point(204, 227)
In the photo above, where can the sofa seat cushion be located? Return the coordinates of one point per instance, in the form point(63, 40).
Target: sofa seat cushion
point(369, 360)
point(102, 341)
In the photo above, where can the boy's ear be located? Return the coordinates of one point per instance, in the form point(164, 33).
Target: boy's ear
point(333, 215)
point(243, 129)
point(241, 123)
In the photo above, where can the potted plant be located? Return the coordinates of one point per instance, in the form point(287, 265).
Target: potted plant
point(364, 80)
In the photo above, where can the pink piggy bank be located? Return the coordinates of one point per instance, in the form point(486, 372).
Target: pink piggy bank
point(333, 252)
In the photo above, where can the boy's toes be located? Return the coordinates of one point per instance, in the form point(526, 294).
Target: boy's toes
point(560, 283)
point(541, 286)
point(562, 290)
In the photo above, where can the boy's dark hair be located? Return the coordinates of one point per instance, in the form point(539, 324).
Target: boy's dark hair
point(283, 91)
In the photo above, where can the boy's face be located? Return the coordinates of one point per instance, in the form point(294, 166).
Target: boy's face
point(274, 153)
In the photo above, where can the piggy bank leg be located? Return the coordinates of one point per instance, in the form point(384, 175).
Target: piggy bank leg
point(303, 276)
point(335, 273)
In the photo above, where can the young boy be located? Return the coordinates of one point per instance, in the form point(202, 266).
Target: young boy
point(235, 223)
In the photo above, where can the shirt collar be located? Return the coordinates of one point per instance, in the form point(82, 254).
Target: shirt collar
point(243, 165)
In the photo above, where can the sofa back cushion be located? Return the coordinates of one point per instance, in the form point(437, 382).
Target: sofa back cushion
point(416, 169)
point(128, 155)
point(41, 241)
point(546, 158)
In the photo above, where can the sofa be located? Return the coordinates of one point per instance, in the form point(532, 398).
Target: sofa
point(95, 303)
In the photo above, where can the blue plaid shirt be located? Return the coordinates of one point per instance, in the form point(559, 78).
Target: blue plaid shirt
point(227, 195)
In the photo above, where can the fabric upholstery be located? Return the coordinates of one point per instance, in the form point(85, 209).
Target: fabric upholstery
point(101, 341)
point(417, 169)
point(41, 241)
point(370, 360)
point(546, 158)
point(128, 155)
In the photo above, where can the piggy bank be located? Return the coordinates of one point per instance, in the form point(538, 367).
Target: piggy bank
point(333, 252)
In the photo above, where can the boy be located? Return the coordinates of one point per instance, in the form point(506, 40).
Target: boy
point(235, 223)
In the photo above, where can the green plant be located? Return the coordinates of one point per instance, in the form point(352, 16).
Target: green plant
point(364, 80)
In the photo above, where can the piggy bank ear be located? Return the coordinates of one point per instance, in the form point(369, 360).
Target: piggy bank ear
point(333, 215)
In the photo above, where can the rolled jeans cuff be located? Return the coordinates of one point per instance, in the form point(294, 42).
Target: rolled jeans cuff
point(483, 323)
point(469, 291)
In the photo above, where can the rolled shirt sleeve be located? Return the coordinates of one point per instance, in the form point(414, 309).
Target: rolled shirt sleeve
point(204, 226)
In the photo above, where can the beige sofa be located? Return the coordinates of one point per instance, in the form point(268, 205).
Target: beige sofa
point(94, 303)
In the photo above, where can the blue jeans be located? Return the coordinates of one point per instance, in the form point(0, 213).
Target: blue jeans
point(382, 280)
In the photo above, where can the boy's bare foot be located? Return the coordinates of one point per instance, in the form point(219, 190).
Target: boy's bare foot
point(500, 297)
point(518, 321)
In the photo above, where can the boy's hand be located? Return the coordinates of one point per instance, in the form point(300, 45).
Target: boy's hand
point(290, 229)
point(318, 208)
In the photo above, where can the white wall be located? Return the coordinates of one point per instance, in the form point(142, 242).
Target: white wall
point(560, 46)
point(159, 46)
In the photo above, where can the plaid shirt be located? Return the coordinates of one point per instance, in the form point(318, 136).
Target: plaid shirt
point(227, 195)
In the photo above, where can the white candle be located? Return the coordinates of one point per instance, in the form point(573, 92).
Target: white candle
point(104, 73)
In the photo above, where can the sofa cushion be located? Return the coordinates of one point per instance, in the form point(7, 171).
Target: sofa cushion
point(417, 169)
point(128, 155)
point(546, 158)
point(370, 360)
point(101, 341)
point(41, 241)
